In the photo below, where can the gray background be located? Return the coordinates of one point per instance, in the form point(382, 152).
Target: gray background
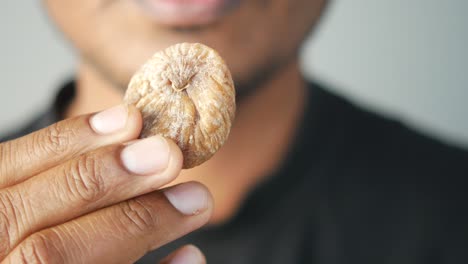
point(405, 59)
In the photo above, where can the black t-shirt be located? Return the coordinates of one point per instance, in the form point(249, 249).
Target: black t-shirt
point(355, 188)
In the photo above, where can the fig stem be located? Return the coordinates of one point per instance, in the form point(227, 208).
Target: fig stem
point(179, 89)
point(183, 86)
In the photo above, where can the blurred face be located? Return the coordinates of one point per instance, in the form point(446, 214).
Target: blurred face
point(254, 36)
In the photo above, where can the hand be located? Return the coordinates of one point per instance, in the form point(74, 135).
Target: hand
point(84, 190)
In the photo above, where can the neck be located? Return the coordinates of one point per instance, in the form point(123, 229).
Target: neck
point(270, 114)
point(93, 92)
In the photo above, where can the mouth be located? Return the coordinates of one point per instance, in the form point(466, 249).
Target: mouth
point(186, 13)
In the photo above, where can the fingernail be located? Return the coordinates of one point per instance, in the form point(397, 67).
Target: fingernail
point(188, 198)
point(110, 120)
point(146, 156)
point(189, 254)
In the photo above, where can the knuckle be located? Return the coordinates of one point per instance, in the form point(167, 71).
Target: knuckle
point(137, 217)
point(9, 223)
point(5, 245)
point(85, 180)
point(36, 249)
point(56, 138)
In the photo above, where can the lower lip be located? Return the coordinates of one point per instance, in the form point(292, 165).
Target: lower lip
point(185, 12)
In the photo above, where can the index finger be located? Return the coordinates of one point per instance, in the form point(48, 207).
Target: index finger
point(27, 156)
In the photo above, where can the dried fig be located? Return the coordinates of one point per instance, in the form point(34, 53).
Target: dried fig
point(185, 93)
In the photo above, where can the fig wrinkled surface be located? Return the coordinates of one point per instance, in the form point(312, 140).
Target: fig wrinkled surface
point(185, 93)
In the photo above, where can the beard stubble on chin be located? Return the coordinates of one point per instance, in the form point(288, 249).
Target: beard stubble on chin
point(245, 85)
